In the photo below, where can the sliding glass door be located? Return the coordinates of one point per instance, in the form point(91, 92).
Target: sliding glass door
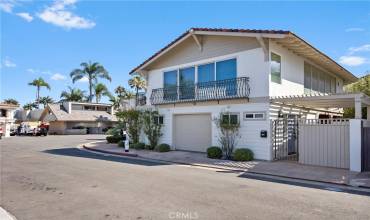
point(170, 85)
point(187, 83)
point(226, 71)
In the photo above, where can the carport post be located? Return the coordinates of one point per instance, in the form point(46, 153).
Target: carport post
point(355, 145)
point(358, 110)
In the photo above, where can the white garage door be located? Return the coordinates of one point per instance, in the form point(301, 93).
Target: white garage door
point(192, 132)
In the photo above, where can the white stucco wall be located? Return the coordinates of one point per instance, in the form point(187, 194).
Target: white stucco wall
point(292, 73)
point(250, 63)
point(249, 130)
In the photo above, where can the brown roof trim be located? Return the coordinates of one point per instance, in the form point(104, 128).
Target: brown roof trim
point(317, 50)
point(210, 30)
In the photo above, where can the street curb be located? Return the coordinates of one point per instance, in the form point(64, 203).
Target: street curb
point(309, 183)
point(5, 215)
point(109, 152)
point(230, 169)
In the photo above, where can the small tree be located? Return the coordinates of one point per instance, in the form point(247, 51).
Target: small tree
point(151, 127)
point(229, 133)
point(132, 118)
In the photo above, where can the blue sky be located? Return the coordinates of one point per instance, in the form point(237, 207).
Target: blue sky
point(51, 38)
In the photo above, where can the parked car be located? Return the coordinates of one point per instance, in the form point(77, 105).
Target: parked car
point(1, 132)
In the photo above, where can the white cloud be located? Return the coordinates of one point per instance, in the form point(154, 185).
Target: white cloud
point(354, 29)
point(8, 63)
point(352, 60)
point(26, 16)
point(30, 70)
point(362, 48)
point(58, 76)
point(84, 79)
point(7, 5)
point(59, 14)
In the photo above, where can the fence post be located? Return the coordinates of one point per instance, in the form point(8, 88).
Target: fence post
point(355, 130)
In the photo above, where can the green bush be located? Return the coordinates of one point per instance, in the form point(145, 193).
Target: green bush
point(149, 147)
point(214, 152)
point(243, 154)
point(138, 146)
point(163, 148)
point(120, 144)
point(113, 139)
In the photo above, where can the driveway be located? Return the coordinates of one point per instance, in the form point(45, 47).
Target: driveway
point(48, 178)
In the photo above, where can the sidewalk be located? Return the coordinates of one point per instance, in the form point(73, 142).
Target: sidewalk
point(4, 215)
point(278, 168)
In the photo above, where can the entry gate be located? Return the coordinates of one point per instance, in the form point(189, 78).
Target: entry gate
point(366, 149)
point(320, 142)
point(285, 138)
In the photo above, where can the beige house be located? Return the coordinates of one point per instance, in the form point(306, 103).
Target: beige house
point(79, 118)
point(7, 117)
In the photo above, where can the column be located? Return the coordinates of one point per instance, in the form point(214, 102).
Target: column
point(355, 145)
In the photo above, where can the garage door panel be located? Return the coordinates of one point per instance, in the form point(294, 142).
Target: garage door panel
point(192, 132)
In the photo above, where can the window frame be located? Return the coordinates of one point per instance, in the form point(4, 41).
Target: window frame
point(281, 67)
point(157, 120)
point(229, 114)
point(177, 69)
point(254, 113)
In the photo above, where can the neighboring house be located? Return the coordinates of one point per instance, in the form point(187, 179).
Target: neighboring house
point(7, 117)
point(79, 118)
point(256, 76)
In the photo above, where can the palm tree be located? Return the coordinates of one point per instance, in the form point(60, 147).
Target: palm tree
point(92, 71)
point(74, 95)
point(116, 101)
point(40, 82)
point(100, 90)
point(138, 83)
point(11, 101)
point(120, 91)
point(46, 100)
point(30, 106)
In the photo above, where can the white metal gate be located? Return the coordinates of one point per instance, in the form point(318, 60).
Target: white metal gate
point(324, 142)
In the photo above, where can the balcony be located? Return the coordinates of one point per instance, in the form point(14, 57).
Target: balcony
point(206, 91)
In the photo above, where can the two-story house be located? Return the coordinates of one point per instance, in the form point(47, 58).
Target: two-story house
point(250, 74)
point(79, 118)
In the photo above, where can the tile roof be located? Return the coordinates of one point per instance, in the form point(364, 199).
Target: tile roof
point(80, 115)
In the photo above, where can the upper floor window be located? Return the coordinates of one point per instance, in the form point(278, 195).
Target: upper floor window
point(206, 72)
point(226, 69)
point(170, 78)
point(316, 80)
point(275, 68)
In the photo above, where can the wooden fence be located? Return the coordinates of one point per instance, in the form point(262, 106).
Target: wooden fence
point(324, 142)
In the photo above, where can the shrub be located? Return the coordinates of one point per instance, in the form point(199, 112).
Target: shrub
point(229, 133)
point(120, 144)
point(243, 154)
point(151, 128)
point(148, 147)
point(214, 152)
point(138, 146)
point(113, 139)
point(163, 148)
point(131, 117)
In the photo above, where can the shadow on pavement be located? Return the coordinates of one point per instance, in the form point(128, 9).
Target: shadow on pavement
point(74, 152)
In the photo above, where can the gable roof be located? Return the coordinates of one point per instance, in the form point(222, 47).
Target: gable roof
point(285, 38)
point(61, 114)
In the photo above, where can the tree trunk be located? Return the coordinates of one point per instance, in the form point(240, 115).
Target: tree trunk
point(90, 89)
point(38, 96)
point(137, 96)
